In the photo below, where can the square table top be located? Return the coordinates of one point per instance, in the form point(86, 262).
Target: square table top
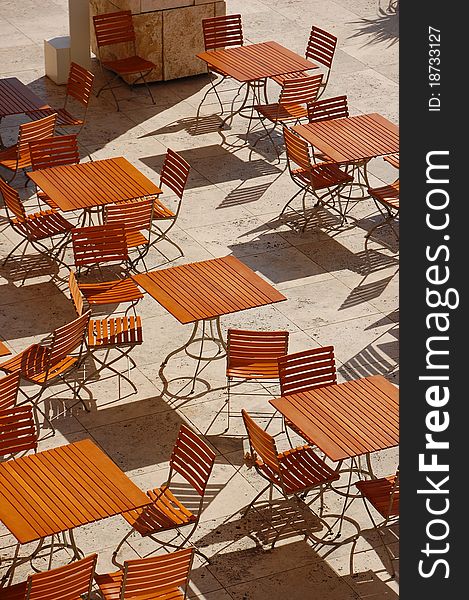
point(352, 138)
point(346, 419)
point(208, 289)
point(93, 183)
point(3, 349)
point(16, 98)
point(256, 61)
point(56, 490)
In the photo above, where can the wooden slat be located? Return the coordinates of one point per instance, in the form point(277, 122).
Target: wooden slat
point(256, 61)
point(62, 488)
point(208, 289)
point(4, 350)
point(16, 98)
point(348, 419)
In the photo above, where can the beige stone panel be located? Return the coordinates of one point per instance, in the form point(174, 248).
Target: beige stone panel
point(152, 5)
point(220, 9)
point(183, 39)
point(149, 33)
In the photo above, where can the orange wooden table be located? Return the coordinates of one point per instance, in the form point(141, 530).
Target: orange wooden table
point(202, 292)
point(57, 490)
point(93, 184)
point(253, 64)
point(16, 98)
point(4, 350)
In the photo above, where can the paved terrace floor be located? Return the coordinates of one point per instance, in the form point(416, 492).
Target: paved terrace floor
point(338, 292)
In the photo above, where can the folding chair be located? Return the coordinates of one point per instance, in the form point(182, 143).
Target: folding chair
point(295, 96)
point(174, 175)
point(329, 108)
point(18, 157)
point(153, 578)
point(193, 461)
point(252, 356)
point(70, 582)
point(18, 432)
point(324, 181)
point(293, 473)
point(44, 365)
point(100, 244)
point(117, 28)
point(9, 387)
point(78, 94)
point(121, 333)
point(386, 196)
point(136, 218)
point(383, 495)
point(35, 228)
point(220, 32)
point(320, 49)
point(52, 152)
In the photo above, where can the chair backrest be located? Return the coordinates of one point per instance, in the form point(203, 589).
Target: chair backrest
point(301, 90)
point(261, 443)
point(306, 370)
point(12, 202)
point(68, 338)
point(222, 31)
point(35, 130)
point(9, 387)
point(79, 84)
point(99, 243)
point(151, 577)
point(321, 47)
point(258, 346)
point(17, 430)
point(54, 151)
point(69, 582)
point(175, 172)
point(114, 28)
point(297, 150)
point(134, 215)
point(192, 459)
point(75, 293)
point(330, 108)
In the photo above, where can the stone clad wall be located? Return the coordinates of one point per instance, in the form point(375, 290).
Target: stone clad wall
point(169, 33)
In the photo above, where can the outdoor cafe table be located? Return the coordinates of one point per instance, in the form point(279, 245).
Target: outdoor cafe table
point(93, 184)
point(56, 490)
point(16, 98)
point(253, 64)
point(201, 292)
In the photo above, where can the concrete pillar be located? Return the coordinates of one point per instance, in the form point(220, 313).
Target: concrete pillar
point(79, 19)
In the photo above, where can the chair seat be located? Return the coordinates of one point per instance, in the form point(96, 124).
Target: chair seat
point(32, 363)
point(392, 159)
point(9, 159)
point(282, 112)
point(42, 225)
point(166, 512)
point(110, 586)
point(45, 198)
point(160, 211)
point(387, 195)
point(111, 292)
point(281, 78)
point(378, 493)
point(301, 469)
point(64, 118)
point(135, 239)
point(18, 591)
point(253, 369)
point(113, 331)
point(322, 175)
point(129, 65)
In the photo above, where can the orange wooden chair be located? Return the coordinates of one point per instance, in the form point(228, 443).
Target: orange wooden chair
point(304, 371)
point(192, 460)
point(392, 159)
point(329, 108)
point(120, 333)
point(70, 582)
point(136, 218)
point(77, 96)
point(253, 355)
point(17, 157)
point(387, 197)
point(320, 49)
point(383, 495)
point(291, 108)
point(293, 473)
point(112, 292)
point(45, 365)
point(100, 244)
point(153, 578)
point(52, 152)
point(18, 431)
point(117, 29)
point(9, 387)
point(35, 228)
point(174, 175)
point(220, 32)
point(324, 181)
